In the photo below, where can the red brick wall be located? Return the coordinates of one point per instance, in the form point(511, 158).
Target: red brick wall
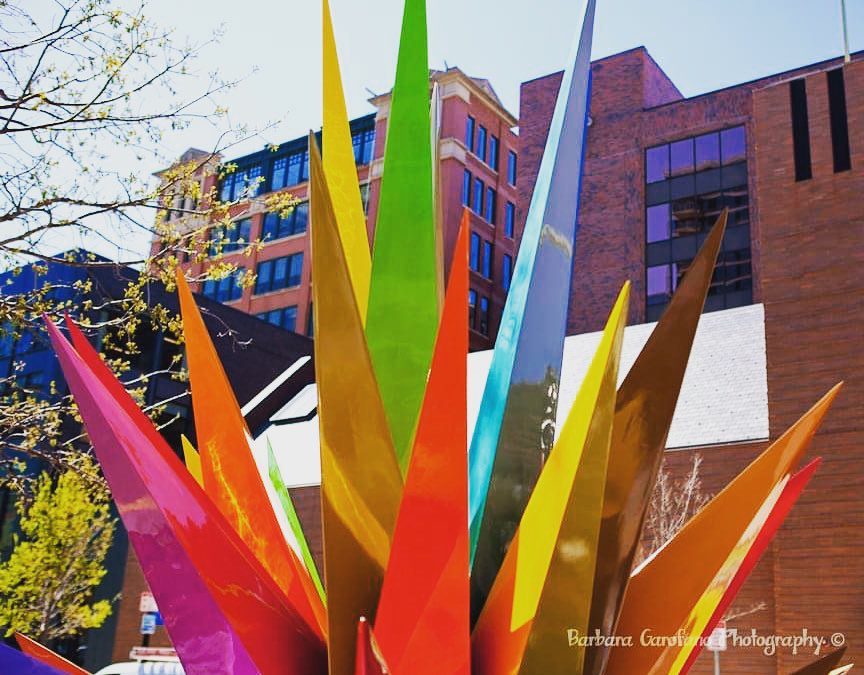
point(813, 290)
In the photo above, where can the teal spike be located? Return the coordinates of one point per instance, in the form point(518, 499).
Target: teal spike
point(516, 422)
point(293, 519)
point(402, 318)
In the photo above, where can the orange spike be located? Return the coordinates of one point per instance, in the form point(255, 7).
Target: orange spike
point(231, 477)
point(663, 591)
point(422, 622)
point(46, 656)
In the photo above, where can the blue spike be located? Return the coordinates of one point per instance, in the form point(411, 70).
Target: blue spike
point(515, 425)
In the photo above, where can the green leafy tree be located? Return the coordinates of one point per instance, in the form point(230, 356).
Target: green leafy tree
point(47, 584)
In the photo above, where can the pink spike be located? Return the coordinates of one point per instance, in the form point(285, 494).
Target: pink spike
point(221, 609)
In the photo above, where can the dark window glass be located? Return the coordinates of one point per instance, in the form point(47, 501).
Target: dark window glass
point(227, 188)
point(738, 204)
point(276, 227)
point(466, 188)
point(254, 184)
point(277, 177)
point(735, 175)
point(681, 157)
point(511, 167)
point(655, 193)
point(509, 219)
point(506, 271)
point(733, 145)
point(285, 317)
point(839, 120)
point(657, 164)
point(493, 152)
point(233, 238)
point(280, 273)
point(227, 288)
point(708, 181)
point(800, 130)
point(477, 197)
point(469, 133)
point(708, 206)
point(474, 252)
point(480, 150)
point(472, 308)
point(682, 186)
point(489, 213)
point(685, 217)
point(707, 151)
point(296, 168)
point(364, 145)
point(659, 223)
point(484, 316)
point(487, 259)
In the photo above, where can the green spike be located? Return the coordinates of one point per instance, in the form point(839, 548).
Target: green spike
point(402, 318)
point(293, 519)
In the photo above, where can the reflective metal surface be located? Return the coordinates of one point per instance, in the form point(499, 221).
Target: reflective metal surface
point(557, 534)
point(231, 476)
point(403, 295)
point(361, 484)
point(643, 413)
point(222, 610)
point(515, 425)
point(341, 170)
point(663, 591)
point(422, 623)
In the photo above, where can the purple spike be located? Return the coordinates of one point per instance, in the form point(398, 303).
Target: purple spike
point(13, 661)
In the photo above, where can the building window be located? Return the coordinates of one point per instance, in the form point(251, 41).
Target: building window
point(226, 289)
point(472, 308)
point(480, 150)
point(242, 183)
point(277, 175)
point(364, 145)
point(474, 252)
point(506, 271)
point(800, 130)
point(469, 133)
point(483, 318)
point(511, 167)
point(488, 259)
point(839, 120)
point(276, 227)
point(466, 188)
point(509, 219)
point(493, 152)
point(489, 212)
point(289, 170)
point(477, 197)
point(231, 238)
point(274, 275)
point(688, 184)
point(284, 317)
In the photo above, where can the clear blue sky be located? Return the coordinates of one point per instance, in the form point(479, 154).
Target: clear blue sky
point(702, 44)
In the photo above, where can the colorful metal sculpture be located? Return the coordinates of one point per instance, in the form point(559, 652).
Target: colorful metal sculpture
point(556, 521)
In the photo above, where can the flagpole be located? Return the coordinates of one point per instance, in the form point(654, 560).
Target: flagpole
point(846, 57)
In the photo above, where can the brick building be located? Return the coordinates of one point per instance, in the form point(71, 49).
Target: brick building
point(786, 155)
point(477, 168)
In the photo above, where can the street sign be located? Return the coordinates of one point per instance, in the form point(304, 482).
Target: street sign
point(147, 603)
point(717, 639)
point(148, 623)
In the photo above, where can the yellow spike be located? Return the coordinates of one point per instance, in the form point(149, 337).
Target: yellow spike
point(341, 173)
point(521, 592)
point(361, 484)
point(192, 459)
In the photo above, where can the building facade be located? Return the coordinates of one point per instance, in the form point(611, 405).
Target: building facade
point(785, 155)
point(478, 168)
